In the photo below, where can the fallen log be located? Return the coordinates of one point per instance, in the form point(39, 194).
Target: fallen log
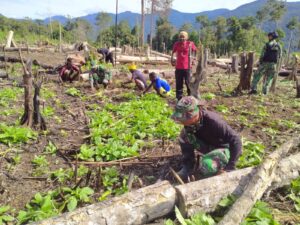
point(31, 49)
point(17, 60)
point(257, 185)
point(160, 54)
point(159, 199)
point(146, 60)
point(137, 207)
point(204, 195)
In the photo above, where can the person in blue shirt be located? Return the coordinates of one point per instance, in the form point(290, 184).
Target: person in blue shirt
point(161, 86)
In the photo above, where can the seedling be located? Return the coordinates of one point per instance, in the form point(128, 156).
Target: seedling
point(252, 154)
point(48, 111)
point(15, 134)
point(5, 217)
point(222, 108)
point(73, 92)
point(50, 148)
point(208, 96)
point(62, 174)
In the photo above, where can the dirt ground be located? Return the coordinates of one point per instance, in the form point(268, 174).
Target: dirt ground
point(270, 120)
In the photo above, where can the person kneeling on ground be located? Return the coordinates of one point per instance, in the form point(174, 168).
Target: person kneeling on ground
point(161, 86)
point(99, 75)
point(69, 72)
point(107, 55)
point(205, 131)
point(138, 77)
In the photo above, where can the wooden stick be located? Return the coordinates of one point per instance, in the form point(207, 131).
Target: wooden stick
point(176, 176)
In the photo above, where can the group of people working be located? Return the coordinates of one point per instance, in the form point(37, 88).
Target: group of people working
point(218, 145)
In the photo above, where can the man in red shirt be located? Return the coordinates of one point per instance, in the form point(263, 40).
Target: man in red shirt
point(183, 49)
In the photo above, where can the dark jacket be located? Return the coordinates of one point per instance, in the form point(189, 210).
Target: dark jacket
point(216, 133)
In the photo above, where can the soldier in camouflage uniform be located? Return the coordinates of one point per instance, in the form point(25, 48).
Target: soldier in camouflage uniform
point(268, 63)
point(204, 131)
point(99, 75)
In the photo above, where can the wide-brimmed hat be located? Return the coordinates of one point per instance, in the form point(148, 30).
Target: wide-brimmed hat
point(186, 108)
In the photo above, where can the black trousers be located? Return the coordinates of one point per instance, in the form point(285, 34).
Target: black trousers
point(182, 76)
point(109, 58)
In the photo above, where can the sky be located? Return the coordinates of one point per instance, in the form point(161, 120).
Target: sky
point(40, 9)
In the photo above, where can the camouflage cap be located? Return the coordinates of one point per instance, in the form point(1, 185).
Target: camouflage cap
point(186, 109)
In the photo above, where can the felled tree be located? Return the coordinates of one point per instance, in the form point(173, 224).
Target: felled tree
point(32, 116)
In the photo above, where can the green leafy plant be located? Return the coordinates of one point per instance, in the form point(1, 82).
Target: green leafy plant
point(50, 148)
point(119, 131)
point(4, 215)
point(61, 175)
point(198, 219)
point(48, 111)
point(222, 108)
point(113, 183)
point(53, 203)
point(9, 94)
point(260, 214)
point(73, 92)
point(73, 197)
point(208, 96)
point(15, 134)
point(40, 165)
point(295, 193)
point(252, 154)
point(40, 207)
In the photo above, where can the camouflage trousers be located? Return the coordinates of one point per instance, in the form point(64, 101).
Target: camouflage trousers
point(210, 163)
point(267, 70)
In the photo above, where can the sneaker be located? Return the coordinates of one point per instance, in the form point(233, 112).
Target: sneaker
point(253, 92)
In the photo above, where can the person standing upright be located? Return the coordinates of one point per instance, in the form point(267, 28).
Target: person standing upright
point(268, 61)
point(184, 49)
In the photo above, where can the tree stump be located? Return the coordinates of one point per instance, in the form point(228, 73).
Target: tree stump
point(9, 39)
point(206, 57)
point(27, 117)
point(235, 64)
point(32, 116)
point(247, 62)
point(199, 76)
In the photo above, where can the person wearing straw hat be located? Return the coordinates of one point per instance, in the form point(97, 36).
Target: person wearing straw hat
point(99, 75)
point(183, 49)
point(138, 78)
point(205, 131)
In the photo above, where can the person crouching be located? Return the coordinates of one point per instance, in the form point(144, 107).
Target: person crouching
point(69, 72)
point(160, 85)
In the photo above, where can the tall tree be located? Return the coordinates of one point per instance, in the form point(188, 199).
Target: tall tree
point(142, 22)
point(277, 10)
point(103, 20)
point(262, 15)
point(161, 7)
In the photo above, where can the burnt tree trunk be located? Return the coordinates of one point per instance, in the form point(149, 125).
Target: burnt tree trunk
point(199, 76)
point(235, 64)
point(31, 116)
point(297, 87)
point(37, 117)
point(247, 62)
point(27, 118)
